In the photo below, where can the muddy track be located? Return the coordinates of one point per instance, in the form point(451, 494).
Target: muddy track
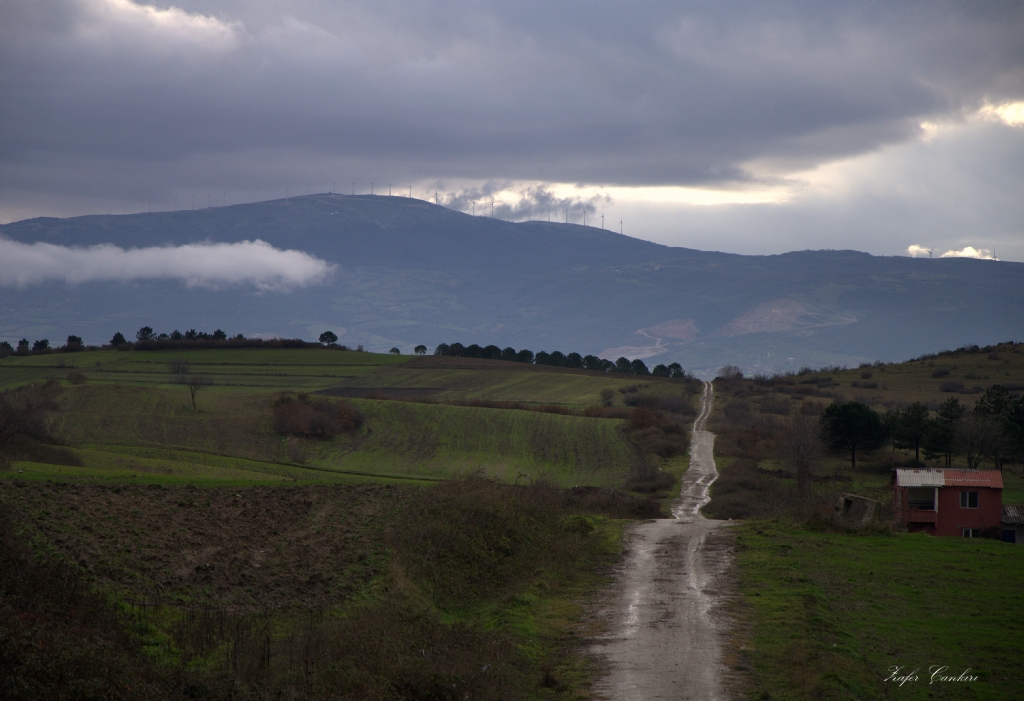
point(664, 635)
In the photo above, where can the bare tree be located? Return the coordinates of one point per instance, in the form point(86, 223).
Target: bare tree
point(978, 437)
point(194, 384)
point(800, 446)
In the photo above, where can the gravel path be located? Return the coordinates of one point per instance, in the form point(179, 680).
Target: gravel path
point(664, 639)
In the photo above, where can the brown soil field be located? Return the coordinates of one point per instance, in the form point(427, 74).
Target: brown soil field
point(292, 548)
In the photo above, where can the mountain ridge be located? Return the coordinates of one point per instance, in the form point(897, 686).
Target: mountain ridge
point(411, 272)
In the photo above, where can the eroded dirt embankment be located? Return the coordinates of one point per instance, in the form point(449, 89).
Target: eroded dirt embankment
point(665, 634)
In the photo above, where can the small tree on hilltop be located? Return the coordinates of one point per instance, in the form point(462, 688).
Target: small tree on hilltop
point(219, 335)
point(420, 350)
point(623, 365)
point(118, 339)
point(328, 338)
point(41, 345)
point(639, 368)
point(851, 426)
point(74, 343)
point(676, 371)
point(23, 347)
point(394, 351)
point(661, 371)
point(144, 334)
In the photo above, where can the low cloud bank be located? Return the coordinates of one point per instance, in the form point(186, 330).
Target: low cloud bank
point(969, 252)
point(916, 251)
point(254, 263)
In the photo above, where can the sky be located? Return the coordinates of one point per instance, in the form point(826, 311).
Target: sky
point(748, 127)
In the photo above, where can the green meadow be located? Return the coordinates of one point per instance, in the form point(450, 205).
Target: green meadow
point(431, 552)
point(831, 615)
point(127, 418)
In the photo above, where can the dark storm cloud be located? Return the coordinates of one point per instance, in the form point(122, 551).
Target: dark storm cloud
point(108, 99)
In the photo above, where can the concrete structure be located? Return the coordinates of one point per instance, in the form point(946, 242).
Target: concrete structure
point(963, 503)
point(855, 512)
point(1013, 524)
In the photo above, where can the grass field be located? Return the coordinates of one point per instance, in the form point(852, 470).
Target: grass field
point(234, 370)
point(466, 589)
point(827, 613)
point(832, 613)
point(129, 400)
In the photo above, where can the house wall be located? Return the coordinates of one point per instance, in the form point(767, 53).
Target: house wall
point(952, 519)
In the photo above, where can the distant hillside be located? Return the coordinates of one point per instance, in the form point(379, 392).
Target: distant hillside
point(410, 272)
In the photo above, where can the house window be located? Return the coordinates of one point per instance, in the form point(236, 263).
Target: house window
point(968, 500)
point(921, 498)
point(972, 532)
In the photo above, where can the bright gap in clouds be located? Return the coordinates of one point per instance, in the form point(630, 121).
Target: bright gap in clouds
point(254, 263)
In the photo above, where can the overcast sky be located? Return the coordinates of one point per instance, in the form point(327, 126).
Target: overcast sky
point(751, 127)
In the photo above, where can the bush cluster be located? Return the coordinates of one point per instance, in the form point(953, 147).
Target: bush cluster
point(303, 416)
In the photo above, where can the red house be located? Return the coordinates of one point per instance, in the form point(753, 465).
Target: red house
point(961, 503)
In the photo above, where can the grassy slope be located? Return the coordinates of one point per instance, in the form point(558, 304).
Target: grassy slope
point(833, 612)
point(897, 386)
point(129, 425)
point(230, 369)
point(129, 403)
point(830, 612)
point(399, 438)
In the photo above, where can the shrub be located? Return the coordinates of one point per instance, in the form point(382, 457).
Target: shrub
point(940, 372)
point(313, 417)
point(642, 418)
point(76, 378)
point(672, 404)
point(951, 386)
point(775, 405)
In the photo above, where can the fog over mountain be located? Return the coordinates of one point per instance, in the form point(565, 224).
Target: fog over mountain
point(393, 271)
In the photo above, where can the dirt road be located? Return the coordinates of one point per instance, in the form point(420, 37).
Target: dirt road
point(664, 639)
